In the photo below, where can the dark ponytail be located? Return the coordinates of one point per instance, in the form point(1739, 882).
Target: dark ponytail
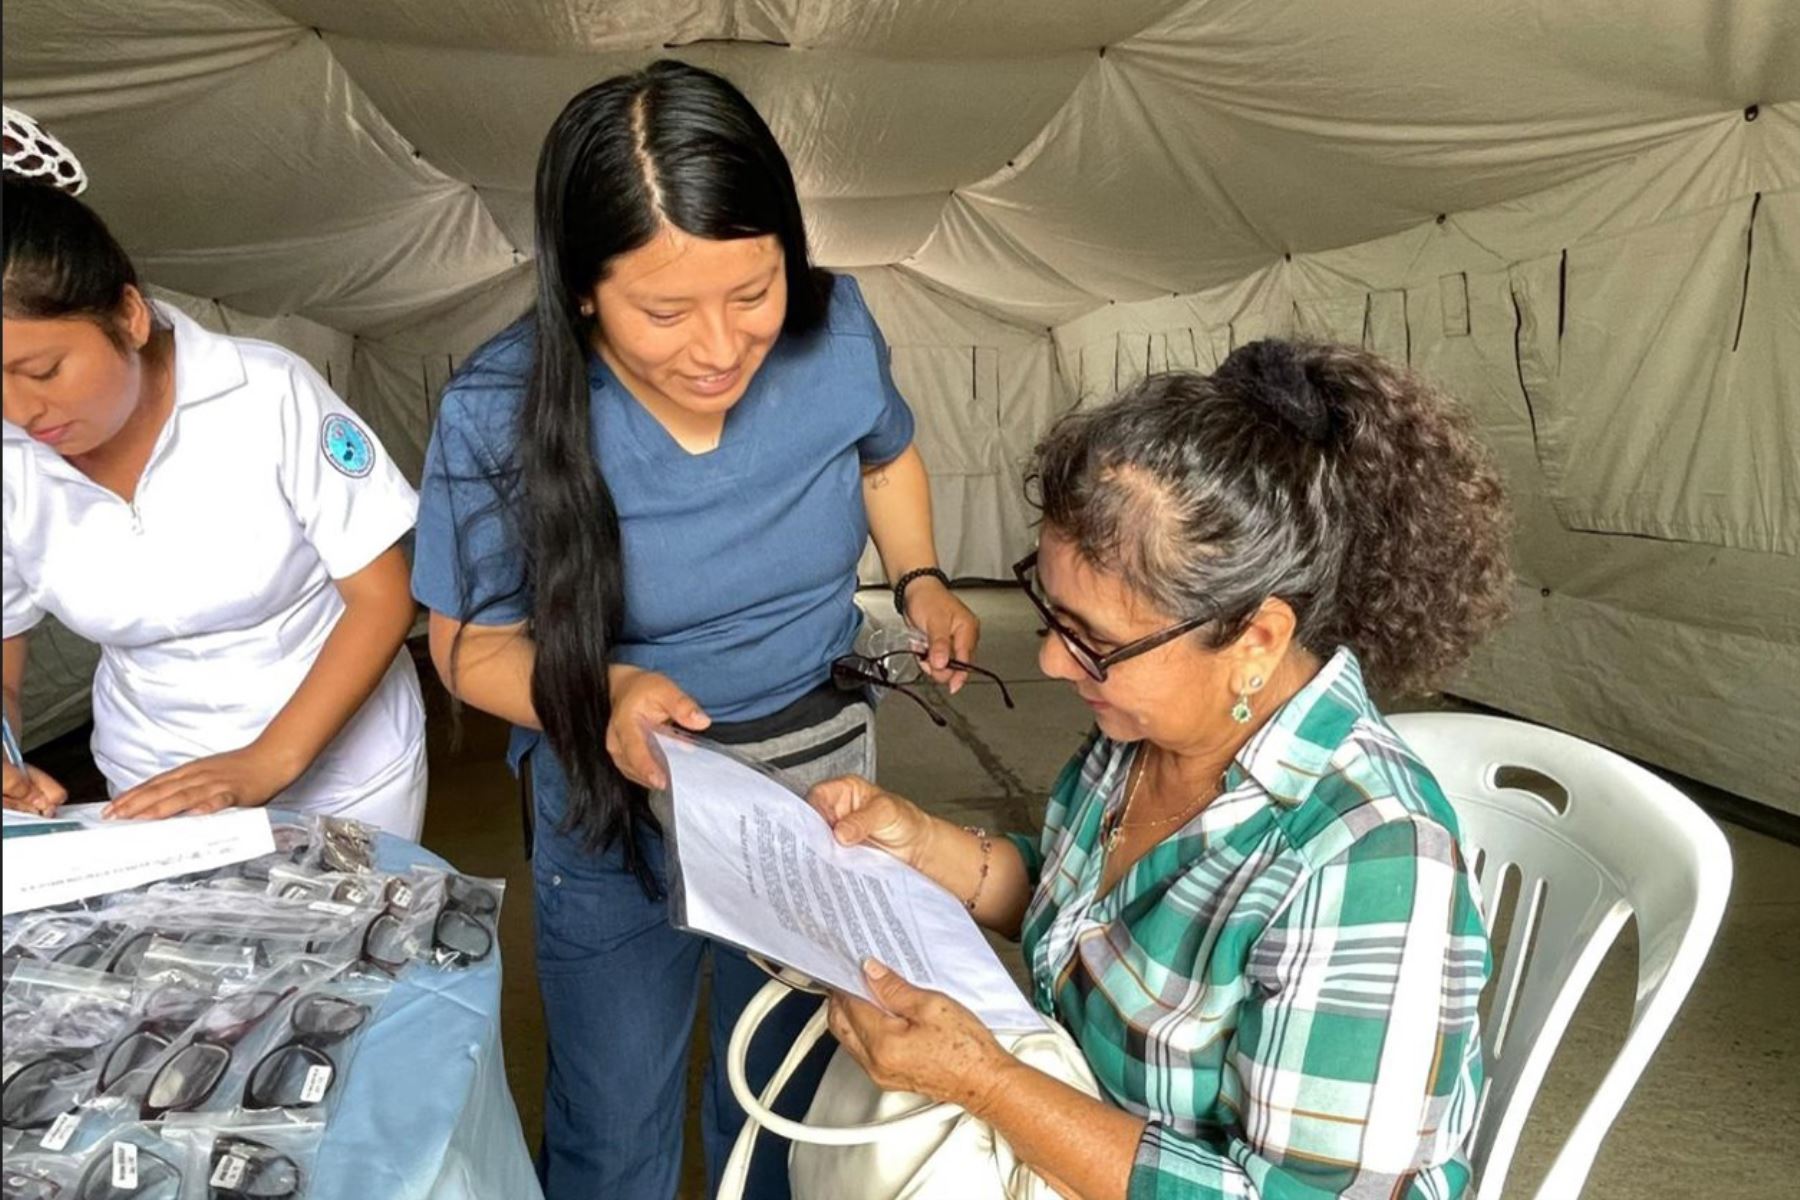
point(668, 145)
point(1319, 474)
point(61, 260)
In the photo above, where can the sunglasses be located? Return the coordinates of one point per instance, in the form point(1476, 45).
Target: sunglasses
point(298, 1073)
point(897, 670)
point(1091, 661)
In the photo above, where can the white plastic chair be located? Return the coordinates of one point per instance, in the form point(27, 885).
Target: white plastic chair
point(1625, 844)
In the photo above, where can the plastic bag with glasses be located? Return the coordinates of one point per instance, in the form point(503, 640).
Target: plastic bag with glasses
point(165, 1014)
point(299, 1071)
point(466, 911)
point(34, 1177)
point(136, 1165)
point(42, 1085)
point(58, 1021)
point(188, 1077)
point(245, 1157)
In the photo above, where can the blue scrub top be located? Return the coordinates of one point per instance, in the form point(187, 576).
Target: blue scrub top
point(740, 563)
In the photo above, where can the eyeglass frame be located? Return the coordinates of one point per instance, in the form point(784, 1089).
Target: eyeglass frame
point(1094, 664)
point(306, 1043)
point(96, 1180)
point(252, 1152)
point(457, 901)
point(83, 1060)
point(870, 669)
point(226, 1039)
point(165, 1029)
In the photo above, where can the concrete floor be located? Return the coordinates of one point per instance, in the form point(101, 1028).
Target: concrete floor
point(1716, 1114)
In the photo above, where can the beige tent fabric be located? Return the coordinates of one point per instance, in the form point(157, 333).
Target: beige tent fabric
point(1583, 219)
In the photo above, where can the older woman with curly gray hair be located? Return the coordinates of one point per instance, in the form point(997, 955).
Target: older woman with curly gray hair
point(1247, 903)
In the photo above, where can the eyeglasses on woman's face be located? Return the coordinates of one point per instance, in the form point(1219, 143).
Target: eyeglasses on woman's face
point(1091, 661)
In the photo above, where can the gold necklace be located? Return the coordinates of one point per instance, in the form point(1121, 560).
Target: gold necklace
point(1116, 832)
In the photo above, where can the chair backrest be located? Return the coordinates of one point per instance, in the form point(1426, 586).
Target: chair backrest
point(1623, 843)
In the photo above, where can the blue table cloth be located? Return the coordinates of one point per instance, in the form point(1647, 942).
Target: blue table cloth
point(425, 1111)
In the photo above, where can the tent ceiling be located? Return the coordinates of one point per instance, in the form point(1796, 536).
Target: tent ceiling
point(363, 164)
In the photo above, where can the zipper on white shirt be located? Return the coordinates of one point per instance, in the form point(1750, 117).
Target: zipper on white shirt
point(70, 472)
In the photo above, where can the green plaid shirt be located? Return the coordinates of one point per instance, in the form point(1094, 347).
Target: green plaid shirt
point(1286, 987)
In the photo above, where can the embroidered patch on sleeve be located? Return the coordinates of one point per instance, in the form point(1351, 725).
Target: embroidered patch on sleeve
point(346, 446)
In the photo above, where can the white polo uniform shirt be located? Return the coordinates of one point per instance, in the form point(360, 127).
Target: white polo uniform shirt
point(211, 593)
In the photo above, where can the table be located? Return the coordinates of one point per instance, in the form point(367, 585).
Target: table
point(425, 1111)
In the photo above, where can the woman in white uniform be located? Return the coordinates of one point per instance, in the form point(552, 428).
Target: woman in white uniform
point(221, 524)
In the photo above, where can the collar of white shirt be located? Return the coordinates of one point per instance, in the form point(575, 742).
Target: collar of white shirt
point(207, 364)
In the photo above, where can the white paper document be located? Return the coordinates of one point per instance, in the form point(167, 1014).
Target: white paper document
point(758, 868)
point(110, 856)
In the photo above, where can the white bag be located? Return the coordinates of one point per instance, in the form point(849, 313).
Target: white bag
point(861, 1143)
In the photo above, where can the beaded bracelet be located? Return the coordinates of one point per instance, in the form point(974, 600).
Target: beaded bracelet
point(987, 854)
point(919, 573)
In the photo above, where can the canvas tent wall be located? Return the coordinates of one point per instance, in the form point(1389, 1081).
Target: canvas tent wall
point(1582, 218)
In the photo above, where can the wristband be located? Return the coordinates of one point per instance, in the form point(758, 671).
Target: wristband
point(918, 573)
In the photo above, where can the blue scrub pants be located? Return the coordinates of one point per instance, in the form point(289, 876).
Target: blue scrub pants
point(620, 988)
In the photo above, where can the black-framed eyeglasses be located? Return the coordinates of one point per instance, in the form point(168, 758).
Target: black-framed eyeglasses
point(242, 1168)
point(187, 1079)
point(38, 1090)
point(166, 1013)
point(897, 670)
point(1090, 660)
point(463, 932)
point(93, 952)
point(298, 1073)
point(156, 1177)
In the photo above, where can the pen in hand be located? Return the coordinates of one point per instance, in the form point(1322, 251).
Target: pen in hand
point(34, 798)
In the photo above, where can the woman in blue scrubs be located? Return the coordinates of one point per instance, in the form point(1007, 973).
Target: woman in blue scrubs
point(644, 504)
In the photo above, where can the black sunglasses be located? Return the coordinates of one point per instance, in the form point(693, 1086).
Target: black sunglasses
point(298, 1073)
point(1090, 660)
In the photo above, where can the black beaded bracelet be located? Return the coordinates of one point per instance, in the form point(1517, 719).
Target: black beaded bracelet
point(917, 573)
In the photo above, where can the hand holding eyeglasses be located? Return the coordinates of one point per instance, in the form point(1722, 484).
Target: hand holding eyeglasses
point(950, 631)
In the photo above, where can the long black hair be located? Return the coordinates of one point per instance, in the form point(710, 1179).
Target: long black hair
point(669, 145)
point(61, 260)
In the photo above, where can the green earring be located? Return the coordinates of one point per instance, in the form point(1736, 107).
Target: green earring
point(1240, 712)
